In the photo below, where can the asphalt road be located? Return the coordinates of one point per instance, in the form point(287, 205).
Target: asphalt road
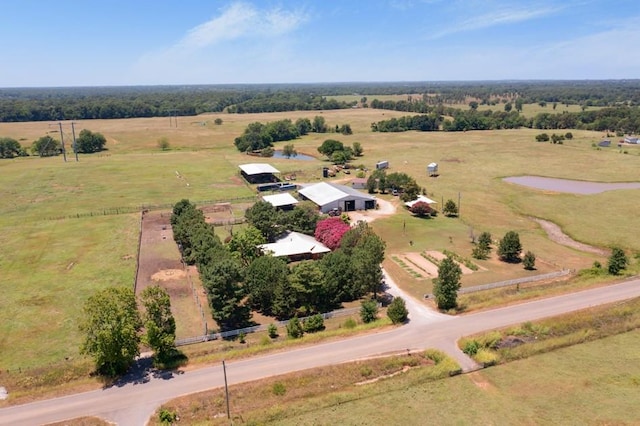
point(132, 402)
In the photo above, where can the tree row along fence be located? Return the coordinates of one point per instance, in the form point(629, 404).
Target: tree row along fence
point(150, 207)
point(280, 324)
point(516, 281)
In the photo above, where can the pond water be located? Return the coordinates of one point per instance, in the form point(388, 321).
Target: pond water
point(303, 157)
point(570, 186)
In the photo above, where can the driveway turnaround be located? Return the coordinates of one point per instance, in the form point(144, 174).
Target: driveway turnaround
point(133, 401)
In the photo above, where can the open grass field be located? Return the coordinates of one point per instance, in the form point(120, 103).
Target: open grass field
point(546, 389)
point(49, 267)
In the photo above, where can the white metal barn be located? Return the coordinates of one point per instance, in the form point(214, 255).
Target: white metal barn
point(432, 169)
point(329, 196)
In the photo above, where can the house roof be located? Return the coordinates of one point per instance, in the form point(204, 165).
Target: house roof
point(279, 200)
point(324, 193)
point(258, 168)
point(420, 198)
point(293, 243)
point(359, 180)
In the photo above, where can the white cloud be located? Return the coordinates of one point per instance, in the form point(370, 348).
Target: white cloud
point(503, 16)
point(242, 20)
point(222, 47)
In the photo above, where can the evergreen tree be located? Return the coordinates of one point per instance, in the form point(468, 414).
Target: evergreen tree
point(446, 286)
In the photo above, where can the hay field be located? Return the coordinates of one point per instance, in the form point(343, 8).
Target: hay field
point(49, 267)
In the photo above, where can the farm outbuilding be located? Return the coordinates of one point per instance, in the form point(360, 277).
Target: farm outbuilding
point(330, 196)
point(420, 198)
point(284, 201)
point(631, 139)
point(380, 165)
point(296, 246)
point(432, 169)
point(259, 173)
point(359, 183)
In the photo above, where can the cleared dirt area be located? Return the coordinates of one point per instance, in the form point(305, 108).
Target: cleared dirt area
point(160, 264)
point(440, 256)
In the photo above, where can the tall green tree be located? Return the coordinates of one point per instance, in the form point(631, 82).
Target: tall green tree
point(289, 151)
point(446, 286)
point(46, 146)
point(509, 248)
point(618, 261)
point(111, 325)
point(10, 148)
point(450, 208)
point(262, 277)
point(244, 244)
point(159, 322)
point(222, 280)
point(397, 310)
point(307, 281)
point(330, 146)
point(264, 216)
point(89, 142)
point(357, 149)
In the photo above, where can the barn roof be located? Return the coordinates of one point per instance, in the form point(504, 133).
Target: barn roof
point(279, 200)
point(324, 193)
point(258, 168)
point(293, 243)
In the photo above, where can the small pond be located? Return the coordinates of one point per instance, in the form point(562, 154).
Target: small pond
point(569, 186)
point(303, 157)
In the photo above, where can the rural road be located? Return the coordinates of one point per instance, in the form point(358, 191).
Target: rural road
point(133, 402)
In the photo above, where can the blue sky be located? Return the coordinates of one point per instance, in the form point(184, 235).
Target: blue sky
point(148, 42)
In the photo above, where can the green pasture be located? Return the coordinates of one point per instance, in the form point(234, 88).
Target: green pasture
point(44, 292)
point(582, 384)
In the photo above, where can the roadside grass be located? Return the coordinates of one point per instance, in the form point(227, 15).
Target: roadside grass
point(75, 374)
point(580, 367)
point(488, 299)
point(529, 339)
point(278, 398)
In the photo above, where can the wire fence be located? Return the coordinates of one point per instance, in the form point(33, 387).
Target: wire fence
point(507, 283)
point(111, 211)
point(279, 324)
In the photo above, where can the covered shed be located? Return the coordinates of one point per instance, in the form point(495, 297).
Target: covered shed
point(432, 169)
point(296, 246)
point(330, 196)
point(259, 172)
point(420, 198)
point(283, 201)
point(359, 183)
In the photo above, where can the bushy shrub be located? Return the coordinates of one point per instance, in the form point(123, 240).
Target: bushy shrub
point(470, 347)
point(486, 357)
point(529, 261)
point(368, 311)
point(294, 328)
point(313, 324)
point(279, 388)
point(350, 323)
point(617, 261)
point(167, 417)
point(272, 330)
point(397, 311)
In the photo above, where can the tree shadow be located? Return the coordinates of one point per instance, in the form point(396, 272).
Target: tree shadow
point(143, 371)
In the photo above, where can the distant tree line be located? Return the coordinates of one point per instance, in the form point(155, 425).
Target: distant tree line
point(51, 104)
point(616, 119)
point(239, 278)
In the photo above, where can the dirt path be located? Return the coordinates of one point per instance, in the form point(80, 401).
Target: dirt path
point(555, 234)
point(385, 208)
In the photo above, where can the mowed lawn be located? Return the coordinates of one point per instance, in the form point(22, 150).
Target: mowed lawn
point(49, 267)
point(582, 384)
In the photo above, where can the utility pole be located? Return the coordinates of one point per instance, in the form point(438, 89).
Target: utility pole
point(226, 389)
point(64, 153)
point(73, 132)
point(458, 204)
